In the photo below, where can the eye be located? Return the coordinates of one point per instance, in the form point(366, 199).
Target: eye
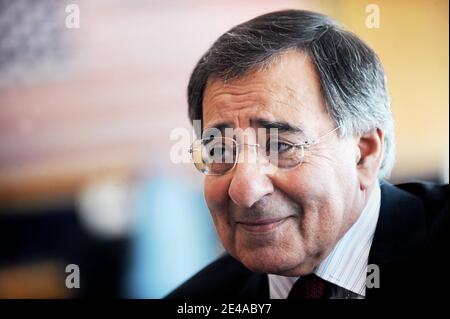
point(278, 147)
point(217, 150)
point(220, 151)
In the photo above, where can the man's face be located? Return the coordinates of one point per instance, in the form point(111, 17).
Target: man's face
point(287, 221)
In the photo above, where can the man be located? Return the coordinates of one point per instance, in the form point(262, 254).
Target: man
point(323, 219)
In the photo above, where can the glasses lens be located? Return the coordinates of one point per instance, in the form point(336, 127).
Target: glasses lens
point(197, 156)
point(284, 154)
point(215, 156)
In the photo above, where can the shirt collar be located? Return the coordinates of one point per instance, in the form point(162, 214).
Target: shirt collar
point(346, 265)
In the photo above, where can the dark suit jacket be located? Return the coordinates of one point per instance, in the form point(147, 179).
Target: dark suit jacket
point(410, 247)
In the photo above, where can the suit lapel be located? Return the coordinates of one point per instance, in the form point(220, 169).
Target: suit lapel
point(400, 237)
point(256, 287)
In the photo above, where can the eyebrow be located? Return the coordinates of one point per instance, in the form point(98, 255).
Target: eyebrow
point(282, 126)
point(219, 126)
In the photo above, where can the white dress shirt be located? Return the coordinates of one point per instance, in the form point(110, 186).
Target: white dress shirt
point(346, 265)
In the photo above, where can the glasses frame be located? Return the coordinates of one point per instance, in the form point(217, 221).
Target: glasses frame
point(304, 145)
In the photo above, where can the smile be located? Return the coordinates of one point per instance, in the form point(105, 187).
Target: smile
point(262, 226)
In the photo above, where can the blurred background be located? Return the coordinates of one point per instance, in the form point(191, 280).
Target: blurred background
point(86, 115)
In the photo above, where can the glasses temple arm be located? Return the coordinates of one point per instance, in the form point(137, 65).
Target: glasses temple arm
point(309, 143)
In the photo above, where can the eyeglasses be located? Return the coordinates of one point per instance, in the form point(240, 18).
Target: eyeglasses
point(219, 155)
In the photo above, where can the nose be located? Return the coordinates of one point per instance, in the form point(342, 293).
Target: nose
point(248, 184)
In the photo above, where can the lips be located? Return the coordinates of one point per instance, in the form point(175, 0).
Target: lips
point(261, 226)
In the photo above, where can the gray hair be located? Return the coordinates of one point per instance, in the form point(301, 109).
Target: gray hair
point(351, 76)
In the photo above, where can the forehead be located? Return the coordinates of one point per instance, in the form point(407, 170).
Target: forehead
point(287, 91)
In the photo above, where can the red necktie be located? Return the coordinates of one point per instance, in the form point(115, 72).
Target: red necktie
point(308, 287)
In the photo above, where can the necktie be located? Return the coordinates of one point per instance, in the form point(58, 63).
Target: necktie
point(309, 287)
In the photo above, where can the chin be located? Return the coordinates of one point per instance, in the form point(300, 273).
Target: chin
point(268, 261)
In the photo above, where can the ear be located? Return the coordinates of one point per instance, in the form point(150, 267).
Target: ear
point(370, 156)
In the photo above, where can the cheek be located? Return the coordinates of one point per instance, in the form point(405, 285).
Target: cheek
point(216, 196)
point(329, 178)
point(216, 193)
point(323, 218)
point(320, 194)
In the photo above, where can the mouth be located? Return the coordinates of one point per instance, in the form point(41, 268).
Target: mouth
point(262, 226)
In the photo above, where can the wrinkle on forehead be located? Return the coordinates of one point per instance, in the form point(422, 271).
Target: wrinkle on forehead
point(284, 91)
